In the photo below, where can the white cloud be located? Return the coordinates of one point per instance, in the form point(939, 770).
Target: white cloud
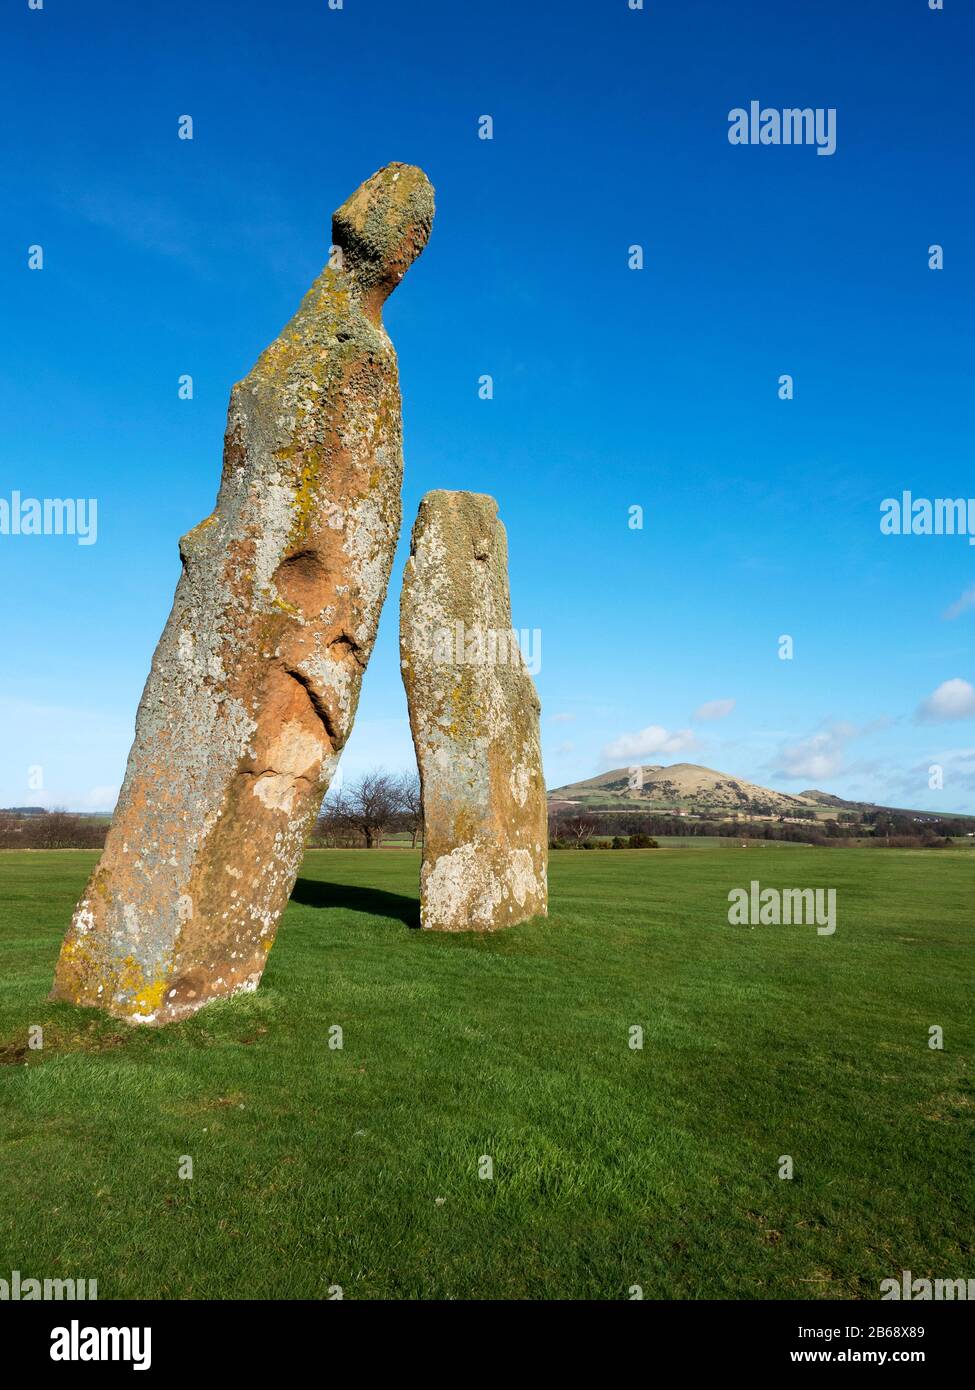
point(961, 605)
point(653, 739)
point(954, 699)
point(714, 709)
point(561, 719)
point(817, 757)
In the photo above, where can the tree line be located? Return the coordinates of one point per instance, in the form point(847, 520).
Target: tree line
point(377, 804)
point(51, 830)
point(571, 828)
point(359, 815)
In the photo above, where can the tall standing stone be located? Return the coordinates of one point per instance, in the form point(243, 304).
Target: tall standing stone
point(474, 716)
point(255, 681)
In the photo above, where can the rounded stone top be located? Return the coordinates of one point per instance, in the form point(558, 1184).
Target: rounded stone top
point(469, 507)
point(383, 227)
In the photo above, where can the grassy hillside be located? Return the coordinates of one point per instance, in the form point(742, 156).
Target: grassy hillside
point(612, 1167)
point(678, 786)
point(701, 792)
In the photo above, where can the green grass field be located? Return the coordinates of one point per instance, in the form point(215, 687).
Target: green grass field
point(358, 1167)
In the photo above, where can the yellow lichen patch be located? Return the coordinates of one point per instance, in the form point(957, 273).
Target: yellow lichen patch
point(203, 525)
point(285, 606)
point(463, 714)
point(99, 883)
point(129, 976)
point(465, 826)
point(306, 494)
point(148, 999)
point(278, 358)
point(333, 295)
point(79, 969)
point(307, 464)
point(146, 996)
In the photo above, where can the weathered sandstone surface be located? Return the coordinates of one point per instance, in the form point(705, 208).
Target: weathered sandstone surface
point(474, 716)
point(255, 681)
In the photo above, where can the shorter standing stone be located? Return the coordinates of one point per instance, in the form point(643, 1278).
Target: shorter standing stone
point(474, 716)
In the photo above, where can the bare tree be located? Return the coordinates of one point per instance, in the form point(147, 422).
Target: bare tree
point(332, 828)
point(371, 804)
point(411, 804)
point(580, 828)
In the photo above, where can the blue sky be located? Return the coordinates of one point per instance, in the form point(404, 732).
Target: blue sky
point(613, 387)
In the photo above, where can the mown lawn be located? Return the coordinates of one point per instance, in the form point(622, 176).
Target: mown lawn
point(315, 1167)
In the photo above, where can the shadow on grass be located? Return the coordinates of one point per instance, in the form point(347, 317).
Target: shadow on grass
point(312, 892)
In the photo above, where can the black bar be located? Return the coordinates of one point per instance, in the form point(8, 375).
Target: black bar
point(251, 1337)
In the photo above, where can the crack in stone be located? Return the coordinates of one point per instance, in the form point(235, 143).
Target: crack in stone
point(319, 707)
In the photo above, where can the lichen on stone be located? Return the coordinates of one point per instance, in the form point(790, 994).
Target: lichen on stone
point(254, 683)
point(474, 717)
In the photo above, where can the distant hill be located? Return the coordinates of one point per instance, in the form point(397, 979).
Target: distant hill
point(685, 787)
point(692, 790)
point(828, 799)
